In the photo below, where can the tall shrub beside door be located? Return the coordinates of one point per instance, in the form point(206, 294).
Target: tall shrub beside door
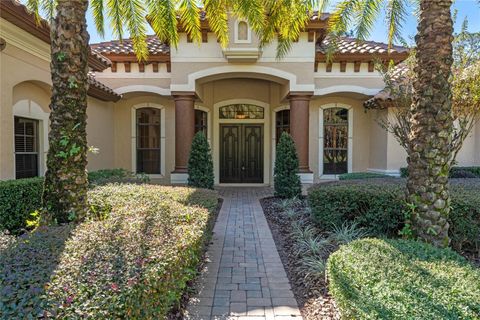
point(285, 175)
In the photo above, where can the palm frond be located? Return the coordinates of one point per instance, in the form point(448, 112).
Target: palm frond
point(367, 13)
point(114, 13)
point(396, 13)
point(190, 19)
point(162, 15)
point(48, 6)
point(34, 7)
point(342, 16)
point(217, 14)
point(251, 10)
point(133, 13)
point(98, 16)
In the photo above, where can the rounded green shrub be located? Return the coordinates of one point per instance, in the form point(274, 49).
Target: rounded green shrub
point(19, 199)
point(402, 279)
point(134, 264)
point(378, 206)
point(200, 164)
point(285, 175)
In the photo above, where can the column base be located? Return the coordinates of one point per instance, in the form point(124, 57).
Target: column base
point(306, 177)
point(178, 178)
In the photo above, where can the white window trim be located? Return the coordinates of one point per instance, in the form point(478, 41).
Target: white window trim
point(321, 137)
point(162, 137)
point(27, 108)
point(249, 32)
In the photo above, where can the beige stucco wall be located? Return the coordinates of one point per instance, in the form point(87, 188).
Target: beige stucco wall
point(25, 91)
point(124, 124)
point(360, 132)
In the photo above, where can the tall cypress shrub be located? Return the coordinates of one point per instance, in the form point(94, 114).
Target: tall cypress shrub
point(285, 175)
point(200, 164)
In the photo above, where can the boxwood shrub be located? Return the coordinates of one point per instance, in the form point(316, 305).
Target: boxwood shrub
point(361, 175)
point(401, 279)
point(378, 206)
point(133, 264)
point(19, 198)
point(455, 172)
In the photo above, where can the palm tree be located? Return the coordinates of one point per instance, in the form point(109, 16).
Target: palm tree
point(431, 120)
point(65, 189)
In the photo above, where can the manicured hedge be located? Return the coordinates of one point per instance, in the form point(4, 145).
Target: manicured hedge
point(361, 175)
point(401, 279)
point(455, 172)
point(134, 264)
point(378, 206)
point(19, 198)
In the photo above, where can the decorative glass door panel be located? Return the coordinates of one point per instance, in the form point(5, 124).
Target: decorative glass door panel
point(335, 141)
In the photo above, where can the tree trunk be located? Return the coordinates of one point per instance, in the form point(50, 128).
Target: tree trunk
point(431, 123)
point(65, 189)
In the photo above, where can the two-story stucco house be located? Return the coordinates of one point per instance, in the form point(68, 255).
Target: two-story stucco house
point(142, 116)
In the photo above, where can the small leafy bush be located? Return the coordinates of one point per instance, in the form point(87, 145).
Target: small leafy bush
point(378, 206)
point(285, 175)
point(402, 279)
point(455, 172)
point(19, 199)
point(200, 163)
point(361, 175)
point(374, 207)
point(134, 264)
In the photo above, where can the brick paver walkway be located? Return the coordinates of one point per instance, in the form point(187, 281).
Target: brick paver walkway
point(244, 278)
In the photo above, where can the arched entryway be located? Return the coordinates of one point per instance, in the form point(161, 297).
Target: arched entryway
point(241, 147)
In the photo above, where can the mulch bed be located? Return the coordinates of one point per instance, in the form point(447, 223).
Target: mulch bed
point(178, 312)
point(312, 296)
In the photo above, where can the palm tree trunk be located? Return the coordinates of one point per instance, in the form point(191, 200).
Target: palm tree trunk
point(431, 123)
point(65, 189)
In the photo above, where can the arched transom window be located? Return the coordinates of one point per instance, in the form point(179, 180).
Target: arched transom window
point(241, 111)
point(335, 148)
point(148, 141)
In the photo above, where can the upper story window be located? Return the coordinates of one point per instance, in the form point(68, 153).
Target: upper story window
point(242, 32)
point(26, 148)
point(241, 111)
point(148, 140)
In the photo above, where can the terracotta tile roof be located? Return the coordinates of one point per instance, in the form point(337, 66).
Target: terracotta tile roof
point(18, 14)
point(101, 91)
point(155, 46)
point(348, 45)
point(385, 98)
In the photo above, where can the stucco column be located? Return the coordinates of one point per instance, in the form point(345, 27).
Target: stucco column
point(184, 129)
point(299, 126)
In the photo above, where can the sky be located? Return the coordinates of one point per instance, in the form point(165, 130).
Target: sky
point(466, 8)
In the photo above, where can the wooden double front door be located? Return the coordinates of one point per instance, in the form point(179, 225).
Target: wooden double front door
point(241, 153)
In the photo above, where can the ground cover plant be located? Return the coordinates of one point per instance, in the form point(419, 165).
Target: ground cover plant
point(20, 198)
point(131, 259)
point(402, 279)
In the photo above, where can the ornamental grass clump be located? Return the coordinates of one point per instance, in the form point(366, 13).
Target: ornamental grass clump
point(200, 164)
point(133, 264)
point(285, 175)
